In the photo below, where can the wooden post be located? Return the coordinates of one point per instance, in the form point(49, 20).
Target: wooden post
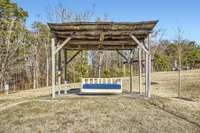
point(59, 67)
point(146, 73)
point(131, 75)
point(65, 57)
point(140, 69)
point(147, 64)
point(149, 70)
point(149, 77)
point(53, 66)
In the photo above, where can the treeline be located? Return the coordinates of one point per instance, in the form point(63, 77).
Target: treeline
point(25, 55)
point(166, 55)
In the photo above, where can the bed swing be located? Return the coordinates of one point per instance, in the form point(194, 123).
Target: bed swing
point(101, 85)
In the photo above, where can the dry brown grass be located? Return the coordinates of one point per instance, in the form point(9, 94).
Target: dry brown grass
point(36, 112)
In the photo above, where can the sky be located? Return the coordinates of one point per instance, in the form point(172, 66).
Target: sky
point(172, 14)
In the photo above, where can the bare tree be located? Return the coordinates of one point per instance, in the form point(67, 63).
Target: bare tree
point(60, 14)
point(179, 41)
point(156, 43)
point(11, 53)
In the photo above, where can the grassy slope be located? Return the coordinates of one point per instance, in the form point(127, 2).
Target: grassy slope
point(113, 113)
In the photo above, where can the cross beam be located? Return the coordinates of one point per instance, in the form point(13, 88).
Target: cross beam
point(68, 61)
point(136, 61)
point(123, 56)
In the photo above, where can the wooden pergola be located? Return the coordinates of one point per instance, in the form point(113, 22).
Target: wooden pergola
point(102, 36)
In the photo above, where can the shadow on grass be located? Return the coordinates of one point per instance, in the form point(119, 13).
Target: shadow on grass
point(77, 92)
point(74, 91)
point(185, 98)
point(152, 83)
point(174, 113)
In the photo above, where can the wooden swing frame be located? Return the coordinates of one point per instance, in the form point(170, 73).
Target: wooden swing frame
point(102, 36)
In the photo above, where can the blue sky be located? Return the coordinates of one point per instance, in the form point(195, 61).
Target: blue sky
point(171, 14)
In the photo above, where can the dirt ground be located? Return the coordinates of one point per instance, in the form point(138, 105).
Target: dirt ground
point(35, 111)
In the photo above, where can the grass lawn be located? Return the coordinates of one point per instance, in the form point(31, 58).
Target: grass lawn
point(34, 111)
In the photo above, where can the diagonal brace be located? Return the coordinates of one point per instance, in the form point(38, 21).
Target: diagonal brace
point(140, 44)
point(123, 56)
point(68, 61)
point(62, 45)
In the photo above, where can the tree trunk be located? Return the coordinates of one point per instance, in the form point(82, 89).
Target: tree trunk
point(47, 68)
point(37, 69)
point(34, 77)
point(179, 72)
point(74, 76)
point(6, 87)
point(100, 64)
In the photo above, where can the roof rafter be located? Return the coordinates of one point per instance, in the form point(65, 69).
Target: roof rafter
point(101, 35)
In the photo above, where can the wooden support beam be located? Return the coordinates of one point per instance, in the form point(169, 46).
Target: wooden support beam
point(139, 44)
point(59, 67)
point(131, 78)
point(123, 56)
point(131, 72)
point(101, 40)
point(149, 70)
point(105, 48)
point(140, 69)
point(53, 67)
point(68, 61)
point(105, 42)
point(146, 73)
point(98, 32)
point(147, 64)
point(136, 61)
point(149, 82)
point(62, 45)
point(65, 65)
point(108, 26)
point(96, 38)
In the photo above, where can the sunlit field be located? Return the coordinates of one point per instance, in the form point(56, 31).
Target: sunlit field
point(35, 111)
